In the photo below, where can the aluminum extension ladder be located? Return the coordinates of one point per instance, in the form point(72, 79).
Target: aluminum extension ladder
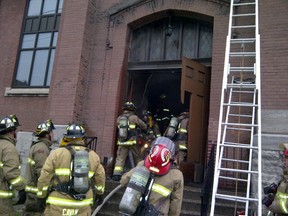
point(238, 154)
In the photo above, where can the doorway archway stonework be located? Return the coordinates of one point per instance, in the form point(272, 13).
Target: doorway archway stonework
point(125, 17)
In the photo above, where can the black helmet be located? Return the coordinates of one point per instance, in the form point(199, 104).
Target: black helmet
point(129, 106)
point(44, 127)
point(7, 124)
point(74, 131)
point(15, 119)
point(49, 122)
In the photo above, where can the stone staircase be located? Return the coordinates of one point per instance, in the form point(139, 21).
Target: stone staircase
point(191, 202)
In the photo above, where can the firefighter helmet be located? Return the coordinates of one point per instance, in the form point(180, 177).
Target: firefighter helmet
point(44, 127)
point(75, 131)
point(7, 124)
point(129, 106)
point(168, 143)
point(15, 119)
point(158, 160)
point(146, 113)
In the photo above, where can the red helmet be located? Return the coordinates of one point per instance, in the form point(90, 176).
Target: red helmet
point(168, 143)
point(159, 160)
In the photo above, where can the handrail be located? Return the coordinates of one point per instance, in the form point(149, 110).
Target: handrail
point(91, 142)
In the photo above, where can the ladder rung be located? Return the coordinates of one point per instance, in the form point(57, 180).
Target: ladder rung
point(242, 54)
point(243, 146)
point(242, 15)
point(245, 26)
point(242, 40)
point(241, 115)
point(235, 198)
point(239, 124)
point(238, 129)
point(244, 4)
point(238, 170)
point(242, 69)
point(241, 85)
point(235, 179)
point(243, 92)
point(240, 104)
point(233, 160)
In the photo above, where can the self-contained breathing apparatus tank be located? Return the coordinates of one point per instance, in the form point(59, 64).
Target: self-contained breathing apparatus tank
point(134, 191)
point(123, 127)
point(172, 127)
point(81, 172)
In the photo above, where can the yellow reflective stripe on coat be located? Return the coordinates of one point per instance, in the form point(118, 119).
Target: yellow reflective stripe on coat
point(281, 195)
point(132, 126)
point(283, 199)
point(90, 174)
point(6, 194)
point(1, 164)
point(182, 147)
point(182, 130)
point(100, 188)
point(283, 205)
point(161, 190)
point(129, 142)
point(63, 172)
point(66, 202)
point(30, 161)
point(43, 193)
point(18, 180)
point(31, 189)
point(118, 168)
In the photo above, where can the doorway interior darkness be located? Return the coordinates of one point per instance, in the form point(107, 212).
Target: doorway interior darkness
point(146, 87)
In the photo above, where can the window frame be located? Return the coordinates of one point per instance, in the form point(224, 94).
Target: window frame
point(41, 20)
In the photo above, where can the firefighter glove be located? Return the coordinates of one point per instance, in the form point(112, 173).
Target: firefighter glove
point(99, 199)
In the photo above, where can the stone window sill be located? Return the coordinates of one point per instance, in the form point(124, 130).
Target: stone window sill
point(30, 92)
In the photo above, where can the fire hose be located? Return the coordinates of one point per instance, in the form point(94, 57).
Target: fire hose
point(106, 199)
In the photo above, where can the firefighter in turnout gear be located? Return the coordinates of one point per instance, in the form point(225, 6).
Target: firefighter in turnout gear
point(181, 137)
point(164, 191)
point(276, 193)
point(130, 128)
point(12, 186)
point(38, 153)
point(72, 177)
point(152, 133)
point(163, 114)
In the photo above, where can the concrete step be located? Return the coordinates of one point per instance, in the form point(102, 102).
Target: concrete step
point(191, 202)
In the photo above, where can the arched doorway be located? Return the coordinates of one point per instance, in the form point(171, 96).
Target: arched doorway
point(155, 68)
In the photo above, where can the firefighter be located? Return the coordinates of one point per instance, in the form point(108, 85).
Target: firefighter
point(167, 189)
point(153, 131)
point(276, 193)
point(12, 186)
point(163, 114)
point(70, 176)
point(38, 153)
point(130, 128)
point(181, 137)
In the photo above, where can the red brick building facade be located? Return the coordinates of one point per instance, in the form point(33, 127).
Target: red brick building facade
point(90, 72)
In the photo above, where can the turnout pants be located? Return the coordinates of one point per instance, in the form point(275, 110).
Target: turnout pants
point(122, 154)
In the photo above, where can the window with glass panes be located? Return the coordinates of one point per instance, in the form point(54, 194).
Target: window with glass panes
point(38, 44)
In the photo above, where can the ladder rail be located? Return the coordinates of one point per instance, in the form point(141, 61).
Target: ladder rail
point(224, 87)
point(224, 125)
